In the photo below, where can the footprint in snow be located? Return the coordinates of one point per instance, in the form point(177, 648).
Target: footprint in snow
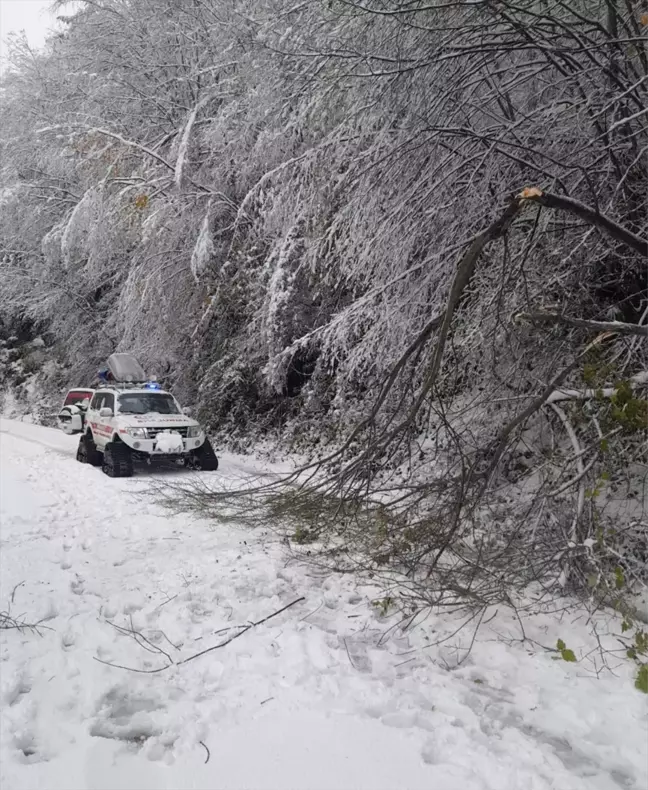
point(51, 611)
point(16, 691)
point(408, 720)
point(357, 653)
point(429, 754)
point(125, 715)
point(108, 611)
point(28, 751)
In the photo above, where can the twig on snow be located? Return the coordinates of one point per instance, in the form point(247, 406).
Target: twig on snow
point(135, 634)
point(168, 600)
point(133, 669)
point(7, 622)
point(306, 616)
point(207, 750)
point(13, 592)
point(244, 629)
point(160, 631)
point(346, 647)
point(408, 661)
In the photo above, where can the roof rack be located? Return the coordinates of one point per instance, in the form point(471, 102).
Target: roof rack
point(127, 385)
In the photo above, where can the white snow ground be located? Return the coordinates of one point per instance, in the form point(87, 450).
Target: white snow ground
point(311, 700)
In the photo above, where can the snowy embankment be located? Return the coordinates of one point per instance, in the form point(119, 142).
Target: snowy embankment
point(317, 697)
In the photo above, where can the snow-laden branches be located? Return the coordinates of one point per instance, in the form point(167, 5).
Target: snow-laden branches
point(184, 140)
point(617, 327)
point(310, 217)
point(564, 394)
point(93, 130)
point(204, 247)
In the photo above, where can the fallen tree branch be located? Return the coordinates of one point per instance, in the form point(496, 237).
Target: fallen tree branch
point(463, 275)
point(243, 630)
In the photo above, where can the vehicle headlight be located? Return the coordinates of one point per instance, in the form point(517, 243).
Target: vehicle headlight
point(193, 431)
point(139, 433)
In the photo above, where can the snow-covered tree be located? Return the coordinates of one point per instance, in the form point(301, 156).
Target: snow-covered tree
point(273, 205)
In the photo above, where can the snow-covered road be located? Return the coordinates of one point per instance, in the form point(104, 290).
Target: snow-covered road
point(314, 699)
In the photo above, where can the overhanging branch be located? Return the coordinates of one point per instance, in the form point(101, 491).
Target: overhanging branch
point(618, 327)
point(590, 215)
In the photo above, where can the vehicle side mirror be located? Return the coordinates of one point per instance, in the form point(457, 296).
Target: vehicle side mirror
point(186, 410)
point(106, 412)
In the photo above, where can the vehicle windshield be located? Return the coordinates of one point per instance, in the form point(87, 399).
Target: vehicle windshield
point(147, 403)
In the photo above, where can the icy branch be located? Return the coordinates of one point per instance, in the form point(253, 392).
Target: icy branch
point(618, 327)
point(639, 380)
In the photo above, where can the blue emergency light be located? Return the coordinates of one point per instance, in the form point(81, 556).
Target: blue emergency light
point(152, 385)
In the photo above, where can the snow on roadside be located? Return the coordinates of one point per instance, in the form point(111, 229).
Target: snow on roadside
point(314, 699)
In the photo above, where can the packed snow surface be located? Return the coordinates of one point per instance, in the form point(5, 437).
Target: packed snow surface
point(328, 695)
